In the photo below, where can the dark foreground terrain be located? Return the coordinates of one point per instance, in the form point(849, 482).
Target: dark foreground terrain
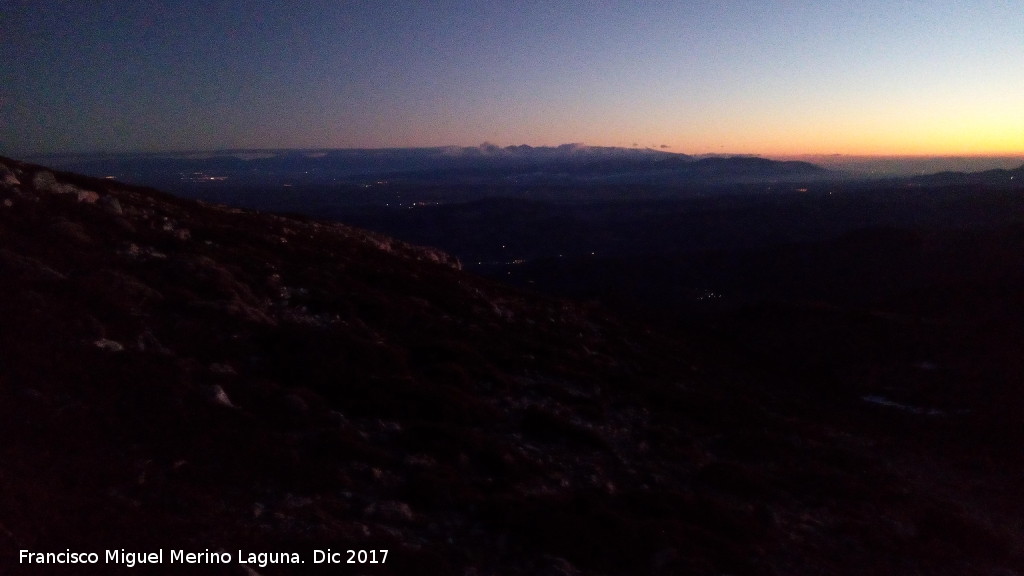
point(183, 376)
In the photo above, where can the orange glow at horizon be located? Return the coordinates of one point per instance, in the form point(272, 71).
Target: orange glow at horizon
point(954, 137)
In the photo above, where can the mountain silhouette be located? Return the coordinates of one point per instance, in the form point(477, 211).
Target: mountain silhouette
point(511, 165)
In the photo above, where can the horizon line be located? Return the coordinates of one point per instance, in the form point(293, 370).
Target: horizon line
point(658, 149)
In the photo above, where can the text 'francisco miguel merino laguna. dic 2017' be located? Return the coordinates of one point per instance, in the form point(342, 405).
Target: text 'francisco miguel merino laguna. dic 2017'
point(262, 559)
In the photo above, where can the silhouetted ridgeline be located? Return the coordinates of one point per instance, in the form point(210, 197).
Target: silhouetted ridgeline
point(517, 167)
point(1005, 178)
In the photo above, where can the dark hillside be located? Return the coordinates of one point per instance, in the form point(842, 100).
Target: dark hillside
point(178, 375)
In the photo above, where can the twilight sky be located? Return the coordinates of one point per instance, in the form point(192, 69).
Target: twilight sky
point(772, 77)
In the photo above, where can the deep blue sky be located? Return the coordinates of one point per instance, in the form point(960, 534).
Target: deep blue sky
point(770, 77)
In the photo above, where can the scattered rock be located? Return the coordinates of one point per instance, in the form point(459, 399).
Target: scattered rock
point(110, 204)
point(45, 181)
point(215, 394)
point(7, 177)
point(222, 369)
point(389, 511)
point(88, 196)
point(109, 345)
point(141, 253)
point(340, 419)
point(147, 342)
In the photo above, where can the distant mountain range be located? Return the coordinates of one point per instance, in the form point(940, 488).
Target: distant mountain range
point(988, 177)
point(520, 164)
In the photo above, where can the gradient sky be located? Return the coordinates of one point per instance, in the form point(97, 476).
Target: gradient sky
point(772, 77)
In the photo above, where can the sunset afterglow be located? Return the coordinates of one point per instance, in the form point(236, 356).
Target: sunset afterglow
point(769, 78)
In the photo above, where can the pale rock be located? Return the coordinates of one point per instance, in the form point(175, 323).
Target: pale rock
point(222, 369)
point(45, 181)
point(215, 394)
point(8, 178)
point(110, 204)
point(109, 345)
point(87, 196)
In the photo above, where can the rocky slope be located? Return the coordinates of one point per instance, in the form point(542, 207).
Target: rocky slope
point(175, 375)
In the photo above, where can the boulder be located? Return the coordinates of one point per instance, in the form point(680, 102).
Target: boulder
point(216, 395)
point(8, 178)
point(110, 204)
point(109, 345)
point(45, 181)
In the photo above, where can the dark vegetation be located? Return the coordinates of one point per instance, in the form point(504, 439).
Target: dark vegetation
point(820, 382)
